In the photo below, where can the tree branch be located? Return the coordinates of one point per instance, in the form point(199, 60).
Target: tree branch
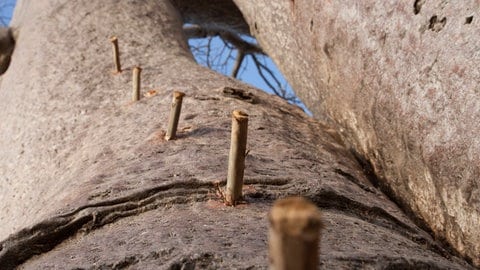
point(231, 41)
point(260, 67)
point(196, 31)
point(280, 91)
point(238, 63)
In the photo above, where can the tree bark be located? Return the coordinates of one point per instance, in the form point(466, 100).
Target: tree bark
point(88, 181)
point(398, 81)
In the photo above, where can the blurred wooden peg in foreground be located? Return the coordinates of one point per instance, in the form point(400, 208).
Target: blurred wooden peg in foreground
point(294, 234)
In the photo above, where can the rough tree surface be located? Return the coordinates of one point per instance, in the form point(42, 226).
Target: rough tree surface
point(400, 80)
point(87, 181)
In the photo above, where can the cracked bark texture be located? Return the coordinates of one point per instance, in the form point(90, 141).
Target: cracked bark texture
point(400, 81)
point(88, 182)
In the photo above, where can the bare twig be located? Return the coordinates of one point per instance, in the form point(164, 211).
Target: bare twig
point(209, 46)
point(279, 90)
point(261, 67)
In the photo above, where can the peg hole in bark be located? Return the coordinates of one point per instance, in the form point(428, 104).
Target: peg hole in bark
point(469, 20)
point(417, 6)
point(437, 24)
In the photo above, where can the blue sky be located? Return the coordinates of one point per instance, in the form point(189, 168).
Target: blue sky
point(223, 58)
point(6, 9)
point(248, 72)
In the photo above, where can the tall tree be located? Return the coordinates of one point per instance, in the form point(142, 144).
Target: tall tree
point(89, 182)
point(396, 79)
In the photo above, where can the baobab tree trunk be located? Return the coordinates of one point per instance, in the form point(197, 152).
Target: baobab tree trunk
point(88, 180)
point(399, 81)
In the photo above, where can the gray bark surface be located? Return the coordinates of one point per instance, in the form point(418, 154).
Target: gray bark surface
point(400, 81)
point(88, 181)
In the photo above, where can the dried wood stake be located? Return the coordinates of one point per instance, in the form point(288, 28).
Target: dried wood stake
point(116, 55)
point(136, 83)
point(174, 115)
point(236, 161)
point(294, 234)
